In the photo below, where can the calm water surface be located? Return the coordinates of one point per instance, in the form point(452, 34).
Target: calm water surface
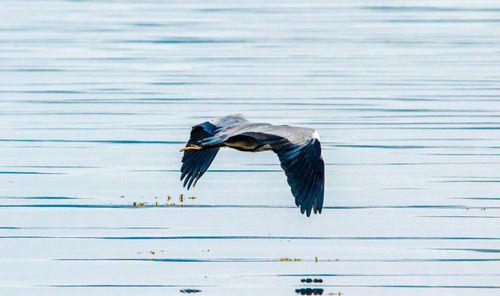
point(97, 97)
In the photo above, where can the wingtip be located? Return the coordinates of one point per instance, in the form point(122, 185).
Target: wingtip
point(304, 209)
point(308, 212)
point(317, 209)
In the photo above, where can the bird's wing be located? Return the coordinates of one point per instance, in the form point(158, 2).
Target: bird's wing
point(303, 165)
point(196, 162)
point(305, 171)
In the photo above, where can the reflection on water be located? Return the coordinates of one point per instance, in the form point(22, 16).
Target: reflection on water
point(97, 98)
point(309, 291)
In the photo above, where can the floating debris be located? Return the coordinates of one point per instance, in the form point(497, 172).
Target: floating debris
point(190, 291)
point(309, 291)
point(182, 199)
point(289, 259)
point(309, 280)
point(315, 259)
point(138, 204)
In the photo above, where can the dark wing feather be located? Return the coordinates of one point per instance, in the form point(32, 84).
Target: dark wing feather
point(305, 171)
point(303, 165)
point(196, 162)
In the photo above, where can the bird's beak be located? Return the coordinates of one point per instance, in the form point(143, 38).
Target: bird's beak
point(192, 147)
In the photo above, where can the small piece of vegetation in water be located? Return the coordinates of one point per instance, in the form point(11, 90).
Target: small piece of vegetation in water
point(168, 204)
point(289, 259)
point(139, 204)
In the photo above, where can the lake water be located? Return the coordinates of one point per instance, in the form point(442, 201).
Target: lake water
point(97, 98)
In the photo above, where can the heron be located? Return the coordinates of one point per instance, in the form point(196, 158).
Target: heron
point(298, 149)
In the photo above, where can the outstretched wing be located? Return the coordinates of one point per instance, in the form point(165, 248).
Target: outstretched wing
point(299, 152)
point(196, 162)
point(305, 171)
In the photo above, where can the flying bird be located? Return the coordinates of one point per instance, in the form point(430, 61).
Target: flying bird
point(298, 150)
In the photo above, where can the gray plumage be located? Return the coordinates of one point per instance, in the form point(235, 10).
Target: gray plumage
point(298, 149)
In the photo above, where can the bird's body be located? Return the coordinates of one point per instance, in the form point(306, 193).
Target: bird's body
point(298, 149)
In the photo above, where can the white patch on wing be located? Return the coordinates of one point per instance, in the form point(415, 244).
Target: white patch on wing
point(315, 135)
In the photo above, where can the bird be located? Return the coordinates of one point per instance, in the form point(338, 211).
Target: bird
point(298, 150)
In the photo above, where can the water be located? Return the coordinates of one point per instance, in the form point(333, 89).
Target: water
point(97, 97)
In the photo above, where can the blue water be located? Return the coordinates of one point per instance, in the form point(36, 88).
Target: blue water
point(97, 98)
